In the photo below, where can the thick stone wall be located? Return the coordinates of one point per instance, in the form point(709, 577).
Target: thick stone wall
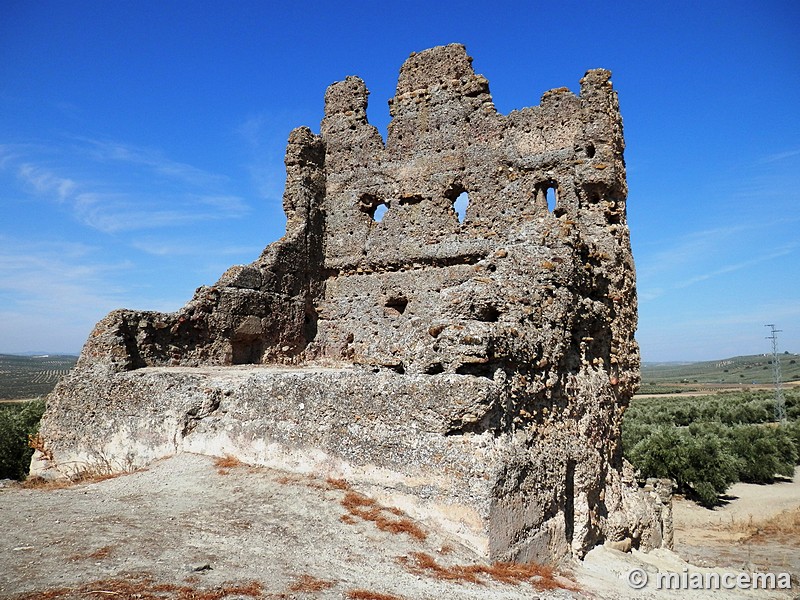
point(482, 365)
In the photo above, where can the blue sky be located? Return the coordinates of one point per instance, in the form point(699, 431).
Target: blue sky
point(141, 145)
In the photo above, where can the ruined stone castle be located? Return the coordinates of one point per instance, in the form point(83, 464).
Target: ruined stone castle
point(472, 372)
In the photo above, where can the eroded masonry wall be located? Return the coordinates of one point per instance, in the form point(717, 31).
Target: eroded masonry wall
point(531, 293)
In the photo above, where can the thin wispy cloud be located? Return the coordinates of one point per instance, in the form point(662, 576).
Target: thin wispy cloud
point(157, 247)
point(252, 130)
point(754, 317)
point(688, 248)
point(735, 267)
point(113, 213)
point(126, 199)
point(53, 292)
point(40, 276)
point(779, 156)
point(151, 158)
point(43, 181)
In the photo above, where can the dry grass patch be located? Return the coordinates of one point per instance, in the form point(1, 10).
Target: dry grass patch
point(142, 587)
point(227, 462)
point(541, 577)
point(40, 483)
point(309, 583)
point(86, 476)
point(298, 479)
point(337, 484)
point(368, 509)
point(446, 549)
point(98, 554)
point(784, 525)
point(362, 594)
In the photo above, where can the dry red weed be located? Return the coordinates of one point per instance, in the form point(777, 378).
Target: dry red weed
point(39, 483)
point(368, 509)
point(223, 463)
point(784, 525)
point(98, 554)
point(37, 443)
point(309, 583)
point(143, 587)
point(337, 484)
point(542, 577)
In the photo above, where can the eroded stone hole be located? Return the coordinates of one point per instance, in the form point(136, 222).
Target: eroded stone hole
point(546, 195)
point(246, 352)
point(590, 150)
point(460, 206)
point(487, 313)
point(569, 502)
point(409, 200)
point(434, 369)
point(476, 370)
point(373, 206)
point(396, 305)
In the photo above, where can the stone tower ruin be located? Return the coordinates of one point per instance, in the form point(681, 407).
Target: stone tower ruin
point(473, 372)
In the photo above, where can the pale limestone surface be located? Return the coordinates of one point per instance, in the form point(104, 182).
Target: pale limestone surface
point(244, 525)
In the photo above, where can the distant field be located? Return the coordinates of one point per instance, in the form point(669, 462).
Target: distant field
point(740, 371)
point(31, 376)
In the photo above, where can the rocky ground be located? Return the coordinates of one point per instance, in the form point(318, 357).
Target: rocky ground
point(198, 528)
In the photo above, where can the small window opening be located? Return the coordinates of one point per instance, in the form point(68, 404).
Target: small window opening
point(460, 206)
point(590, 150)
point(379, 213)
point(552, 198)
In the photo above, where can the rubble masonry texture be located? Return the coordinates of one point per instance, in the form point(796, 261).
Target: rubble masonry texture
point(473, 372)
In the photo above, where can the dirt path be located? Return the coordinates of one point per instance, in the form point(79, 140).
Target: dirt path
point(759, 527)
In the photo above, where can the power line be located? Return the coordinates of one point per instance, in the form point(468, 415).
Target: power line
point(780, 404)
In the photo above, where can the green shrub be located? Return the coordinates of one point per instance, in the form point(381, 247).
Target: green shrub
point(793, 430)
point(705, 443)
point(762, 452)
point(700, 464)
point(17, 422)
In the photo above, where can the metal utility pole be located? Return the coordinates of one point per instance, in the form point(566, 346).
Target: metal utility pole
point(780, 404)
